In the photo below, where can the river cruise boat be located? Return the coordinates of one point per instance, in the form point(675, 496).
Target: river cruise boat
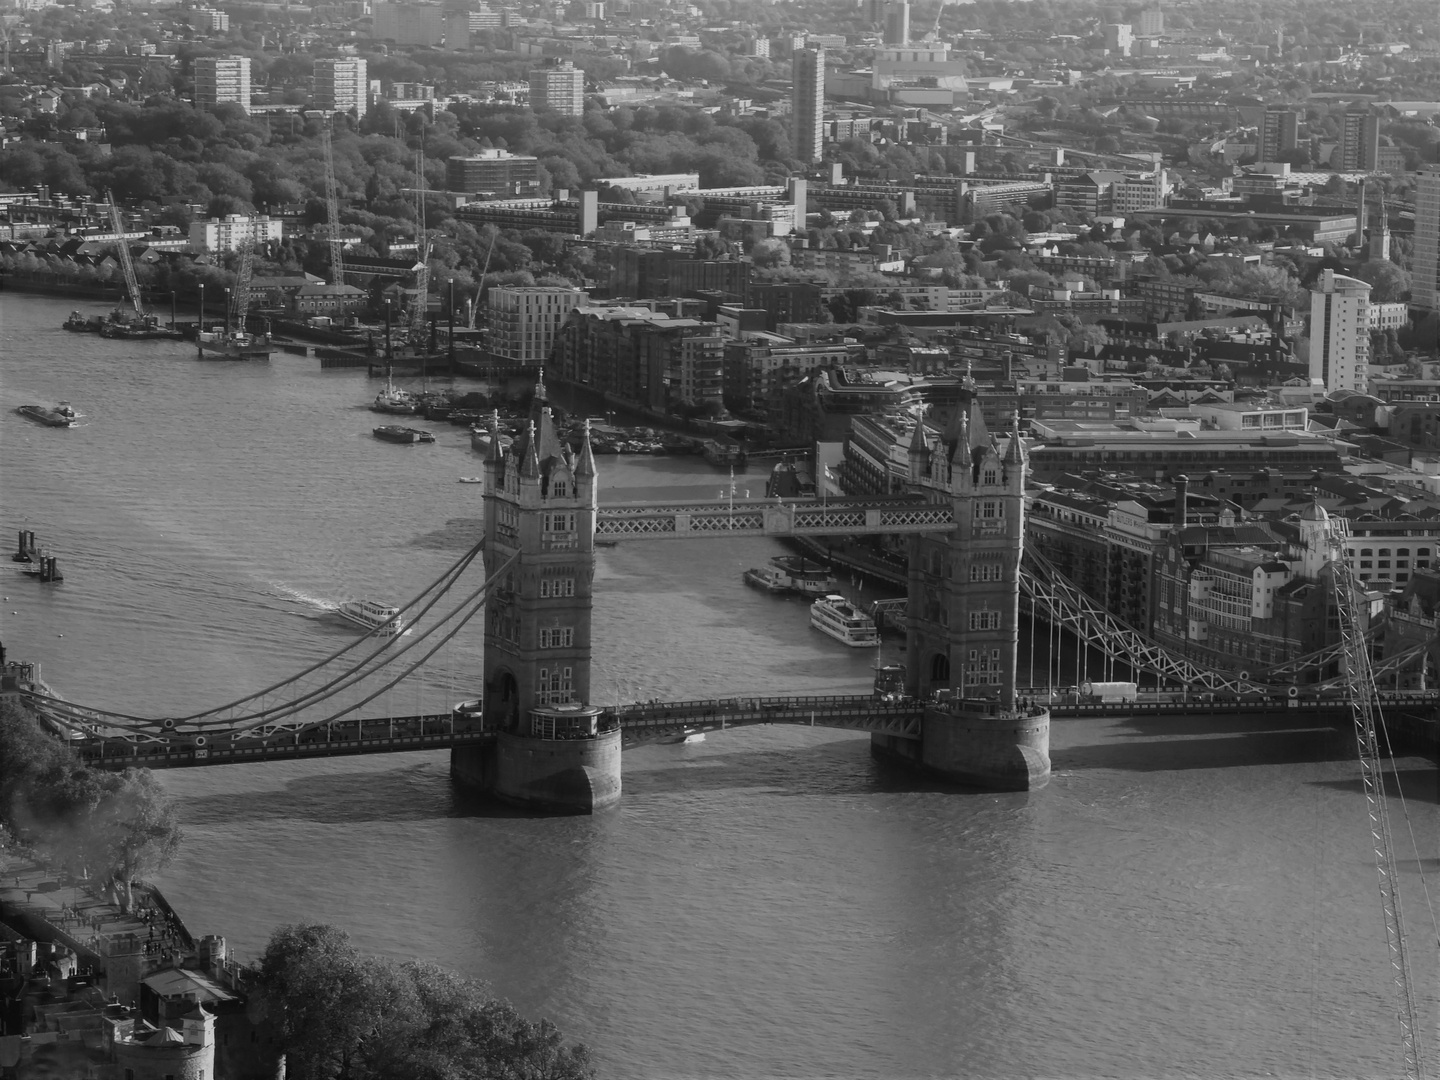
point(842, 620)
point(806, 577)
point(373, 616)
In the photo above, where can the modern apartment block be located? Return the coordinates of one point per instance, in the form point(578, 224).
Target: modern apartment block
point(222, 80)
point(1425, 260)
point(807, 103)
point(229, 233)
point(341, 86)
point(1359, 147)
point(1339, 332)
point(494, 171)
point(524, 321)
point(558, 87)
point(1279, 132)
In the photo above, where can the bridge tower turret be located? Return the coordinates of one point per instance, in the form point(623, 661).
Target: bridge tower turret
point(964, 612)
point(550, 751)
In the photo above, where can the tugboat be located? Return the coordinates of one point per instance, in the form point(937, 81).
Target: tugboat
point(395, 401)
point(219, 344)
point(82, 324)
point(62, 415)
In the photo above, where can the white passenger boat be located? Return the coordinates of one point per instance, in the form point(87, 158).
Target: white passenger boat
point(373, 616)
point(842, 620)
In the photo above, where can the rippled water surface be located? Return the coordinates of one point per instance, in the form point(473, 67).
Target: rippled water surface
point(1184, 899)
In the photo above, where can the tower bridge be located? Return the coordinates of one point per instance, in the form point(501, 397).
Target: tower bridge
point(531, 736)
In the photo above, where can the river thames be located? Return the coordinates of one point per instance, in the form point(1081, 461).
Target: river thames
point(1182, 900)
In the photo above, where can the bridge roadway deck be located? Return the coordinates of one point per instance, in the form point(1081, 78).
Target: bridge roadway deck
point(655, 721)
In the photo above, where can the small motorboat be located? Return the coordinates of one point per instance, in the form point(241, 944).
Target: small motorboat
point(472, 479)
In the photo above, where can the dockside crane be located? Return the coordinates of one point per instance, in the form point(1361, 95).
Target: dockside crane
point(127, 265)
point(480, 284)
point(1365, 710)
point(332, 211)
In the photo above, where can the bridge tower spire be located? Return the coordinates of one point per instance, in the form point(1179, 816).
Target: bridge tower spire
point(540, 503)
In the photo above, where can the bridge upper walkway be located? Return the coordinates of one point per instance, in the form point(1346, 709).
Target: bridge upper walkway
point(872, 515)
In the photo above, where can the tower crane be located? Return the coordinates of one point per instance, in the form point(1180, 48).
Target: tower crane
point(127, 265)
point(332, 211)
point(480, 285)
point(422, 249)
point(934, 34)
point(1365, 710)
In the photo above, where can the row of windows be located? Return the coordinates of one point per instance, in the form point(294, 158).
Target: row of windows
point(554, 686)
point(986, 572)
point(562, 521)
point(556, 587)
point(1366, 552)
point(558, 637)
point(984, 620)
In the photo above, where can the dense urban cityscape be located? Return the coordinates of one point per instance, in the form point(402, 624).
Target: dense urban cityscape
point(1119, 322)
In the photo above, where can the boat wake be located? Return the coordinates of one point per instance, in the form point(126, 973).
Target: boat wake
point(298, 596)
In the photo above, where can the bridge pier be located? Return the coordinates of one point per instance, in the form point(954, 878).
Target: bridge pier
point(579, 776)
point(999, 750)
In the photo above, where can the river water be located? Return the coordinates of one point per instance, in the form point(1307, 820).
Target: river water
point(1184, 899)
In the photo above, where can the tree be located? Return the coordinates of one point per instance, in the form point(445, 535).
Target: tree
point(340, 1015)
point(1388, 282)
point(132, 830)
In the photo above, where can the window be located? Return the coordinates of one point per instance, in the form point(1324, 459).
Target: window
point(559, 490)
point(558, 637)
point(1402, 551)
point(984, 620)
point(556, 587)
point(990, 509)
point(990, 477)
point(560, 522)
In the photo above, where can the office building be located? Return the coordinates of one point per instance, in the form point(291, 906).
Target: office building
point(524, 321)
point(558, 87)
point(1119, 38)
point(1279, 133)
point(1359, 147)
point(408, 24)
point(1152, 23)
point(897, 22)
point(493, 171)
point(222, 80)
point(807, 103)
point(341, 86)
point(1425, 258)
point(1339, 332)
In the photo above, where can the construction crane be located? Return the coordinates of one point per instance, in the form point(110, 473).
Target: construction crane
point(934, 34)
point(332, 211)
point(240, 294)
point(422, 249)
point(1365, 709)
point(127, 265)
point(480, 285)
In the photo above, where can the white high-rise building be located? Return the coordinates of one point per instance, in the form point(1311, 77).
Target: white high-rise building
point(341, 86)
point(559, 87)
point(222, 80)
point(1425, 256)
point(1340, 333)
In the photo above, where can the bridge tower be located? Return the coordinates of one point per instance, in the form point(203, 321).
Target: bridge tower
point(549, 751)
point(964, 612)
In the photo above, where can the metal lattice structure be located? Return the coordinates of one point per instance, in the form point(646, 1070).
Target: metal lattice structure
point(773, 517)
point(127, 264)
point(419, 309)
point(332, 211)
point(1365, 708)
point(240, 294)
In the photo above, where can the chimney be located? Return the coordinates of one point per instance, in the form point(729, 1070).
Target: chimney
point(1182, 483)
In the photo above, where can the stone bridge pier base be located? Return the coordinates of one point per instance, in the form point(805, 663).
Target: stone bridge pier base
point(551, 776)
point(1002, 751)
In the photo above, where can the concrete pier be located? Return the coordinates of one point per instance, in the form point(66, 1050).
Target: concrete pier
point(1004, 750)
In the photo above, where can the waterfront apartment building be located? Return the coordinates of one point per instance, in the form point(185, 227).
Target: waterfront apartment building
point(222, 80)
point(807, 103)
point(558, 87)
point(1425, 260)
point(493, 171)
point(1279, 132)
point(642, 357)
point(1340, 332)
point(341, 85)
point(408, 23)
point(524, 321)
point(231, 232)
